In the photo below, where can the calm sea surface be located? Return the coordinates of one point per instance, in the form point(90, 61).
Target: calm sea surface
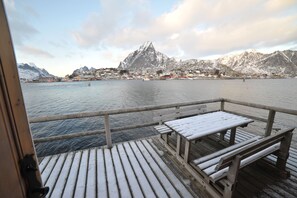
point(44, 99)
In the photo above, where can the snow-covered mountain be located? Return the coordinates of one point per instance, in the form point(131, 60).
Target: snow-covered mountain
point(29, 72)
point(83, 71)
point(146, 57)
point(279, 63)
point(276, 63)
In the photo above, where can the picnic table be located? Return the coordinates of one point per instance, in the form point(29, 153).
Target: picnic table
point(196, 127)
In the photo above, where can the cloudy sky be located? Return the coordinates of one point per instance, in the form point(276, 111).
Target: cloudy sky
point(61, 36)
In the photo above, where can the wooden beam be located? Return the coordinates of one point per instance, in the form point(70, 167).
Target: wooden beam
point(270, 122)
point(232, 136)
point(68, 136)
point(265, 107)
point(15, 134)
point(187, 151)
point(119, 111)
point(178, 145)
point(107, 131)
point(222, 105)
point(284, 152)
point(231, 177)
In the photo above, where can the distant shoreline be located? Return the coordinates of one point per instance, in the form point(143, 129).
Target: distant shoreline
point(243, 79)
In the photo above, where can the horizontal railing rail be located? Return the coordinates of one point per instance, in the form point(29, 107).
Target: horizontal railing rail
point(271, 116)
point(106, 115)
point(107, 130)
point(264, 107)
point(119, 111)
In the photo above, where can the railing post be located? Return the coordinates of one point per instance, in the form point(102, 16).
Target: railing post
point(269, 123)
point(177, 111)
point(107, 131)
point(222, 105)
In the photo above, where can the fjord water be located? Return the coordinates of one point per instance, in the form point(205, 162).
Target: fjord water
point(44, 99)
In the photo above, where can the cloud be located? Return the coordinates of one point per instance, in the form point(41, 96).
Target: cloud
point(113, 17)
point(20, 29)
point(194, 28)
point(35, 51)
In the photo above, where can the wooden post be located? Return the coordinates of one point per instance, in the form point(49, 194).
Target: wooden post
point(178, 144)
point(222, 135)
point(222, 105)
point(231, 177)
point(177, 112)
point(270, 123)
point(232, 136)
point(187, 151)
point(284, 154)
point(107, 131)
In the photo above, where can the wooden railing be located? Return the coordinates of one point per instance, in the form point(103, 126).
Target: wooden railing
point(272, 112)
point(106, 115)
point(108, 130)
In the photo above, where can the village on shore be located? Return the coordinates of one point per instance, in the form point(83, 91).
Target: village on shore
point(149, 74)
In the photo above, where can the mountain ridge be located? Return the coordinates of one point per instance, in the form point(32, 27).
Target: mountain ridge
point(30, 72)
point(282, 63)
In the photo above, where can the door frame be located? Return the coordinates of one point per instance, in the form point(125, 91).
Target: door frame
point(17, 151)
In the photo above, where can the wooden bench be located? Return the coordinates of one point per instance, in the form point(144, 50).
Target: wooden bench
point(172, 114)
point(221, 168)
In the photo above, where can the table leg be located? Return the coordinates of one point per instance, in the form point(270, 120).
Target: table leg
point(187, 151)
point(178, 144)
point(222, 135)
point(165, 137)
point(232, 136)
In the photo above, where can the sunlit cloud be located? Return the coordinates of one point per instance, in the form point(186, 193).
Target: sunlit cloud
point(102, 33)
point(20, 29)
point(203, 28)
point(33, 51)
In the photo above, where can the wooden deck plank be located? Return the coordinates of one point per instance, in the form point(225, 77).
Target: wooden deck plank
point(254, 184)
point(47, 171)
point(290, 166)
point(51, 182)
point(144, 183)
point(128, 159)
point(91, 175)
point(80, 187)
point(183, 191)
point(273, 182)
point(44, 163)
point(293, 154)
point(101, 175)
point(61, 182)
point(132, 179)
point(120, 174)
point(72, 177)
point(110, 174)
point(152, 178)
point(172, 192)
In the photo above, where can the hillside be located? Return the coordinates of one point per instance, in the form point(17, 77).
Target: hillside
point(30, 72)
point(279, 63)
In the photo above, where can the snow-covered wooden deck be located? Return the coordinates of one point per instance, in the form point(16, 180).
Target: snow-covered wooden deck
point(130, 169)
point(145, 168)
point(255, 180)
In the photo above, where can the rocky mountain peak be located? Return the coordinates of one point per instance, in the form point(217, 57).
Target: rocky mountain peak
point(83, 70)
point(251, 62)
point(29, 72)
point(147, 46)
point(145, 57)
